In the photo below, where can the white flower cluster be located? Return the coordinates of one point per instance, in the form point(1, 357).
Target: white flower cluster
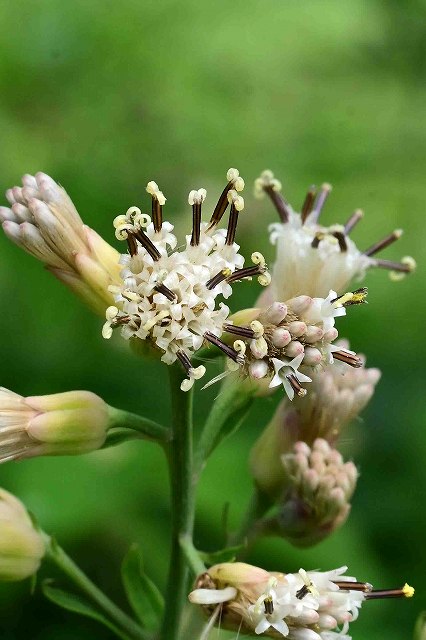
point(288, 335)
point(300, 606)
point(168, 295)
point(313, 259)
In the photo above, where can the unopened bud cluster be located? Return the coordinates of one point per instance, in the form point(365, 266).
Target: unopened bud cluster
point(319, 486)
point(43, 221)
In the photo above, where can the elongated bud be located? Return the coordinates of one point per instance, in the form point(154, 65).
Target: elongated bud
point(21, 545)
point(43, 221)
point(60, 424)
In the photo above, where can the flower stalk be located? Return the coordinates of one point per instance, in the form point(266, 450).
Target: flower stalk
point(180, 458)
point(58, 556)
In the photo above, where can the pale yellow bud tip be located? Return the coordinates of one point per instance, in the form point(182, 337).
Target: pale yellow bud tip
point(408, 591)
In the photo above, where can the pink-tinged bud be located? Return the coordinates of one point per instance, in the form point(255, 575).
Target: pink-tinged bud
point(297, 328)
point(316, 494)
point(21, 545)
point(44, 222)
point(295, 348)
point(258, 369)
point(281, 337)
point(312, 356)
point(274, 314)
point(313, 334)
point(60, 424)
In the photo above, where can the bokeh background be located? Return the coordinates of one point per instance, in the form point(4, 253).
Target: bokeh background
point(107, 95)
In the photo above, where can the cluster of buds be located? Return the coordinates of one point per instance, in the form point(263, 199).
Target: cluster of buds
point(68, 423)
point(313, 259)
point(21, 544)
point(168, 296)
point(285, 336)
point(308, 605)
point(43, 221)
point(337, 394)
point(319, 486)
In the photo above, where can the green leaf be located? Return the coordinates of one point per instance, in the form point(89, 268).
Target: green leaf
point(143, 595)
point(79, 605)
point(223, 555)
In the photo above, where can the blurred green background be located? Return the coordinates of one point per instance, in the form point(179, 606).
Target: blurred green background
point(105, 96)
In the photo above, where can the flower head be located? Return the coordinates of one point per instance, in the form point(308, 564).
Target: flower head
point(21, 545)
point(317, 493)
point(169, 295)
point(308, 605)
point(277, 341)
point(43, 221)
point(60, 424)
point(313, 259)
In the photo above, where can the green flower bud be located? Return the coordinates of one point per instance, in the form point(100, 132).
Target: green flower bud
point(21, 545)
point(60, 424)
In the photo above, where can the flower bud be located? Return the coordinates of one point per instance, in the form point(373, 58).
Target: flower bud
point(319, 486)
point(43, 221)
point(21, 545)
point(60, 424)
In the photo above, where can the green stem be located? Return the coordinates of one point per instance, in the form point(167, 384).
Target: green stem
point(193, 559)
point(147, 428)
point(258, 505)
point(229, 410)
point(180, 457)
point(55, 553)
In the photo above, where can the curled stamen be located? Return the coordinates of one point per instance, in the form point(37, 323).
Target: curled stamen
point(340, 237)
point(234, 182)
point(320, 201)
point(385, 242)
point(267, 183)
point(398, 270)
point(196, 199)
point(237, 205)
point(227, 350)
point(308, 203)
point(246, 272)
point(353, 220)
point(259, 269)
point(218, 278)
point(158, 200)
